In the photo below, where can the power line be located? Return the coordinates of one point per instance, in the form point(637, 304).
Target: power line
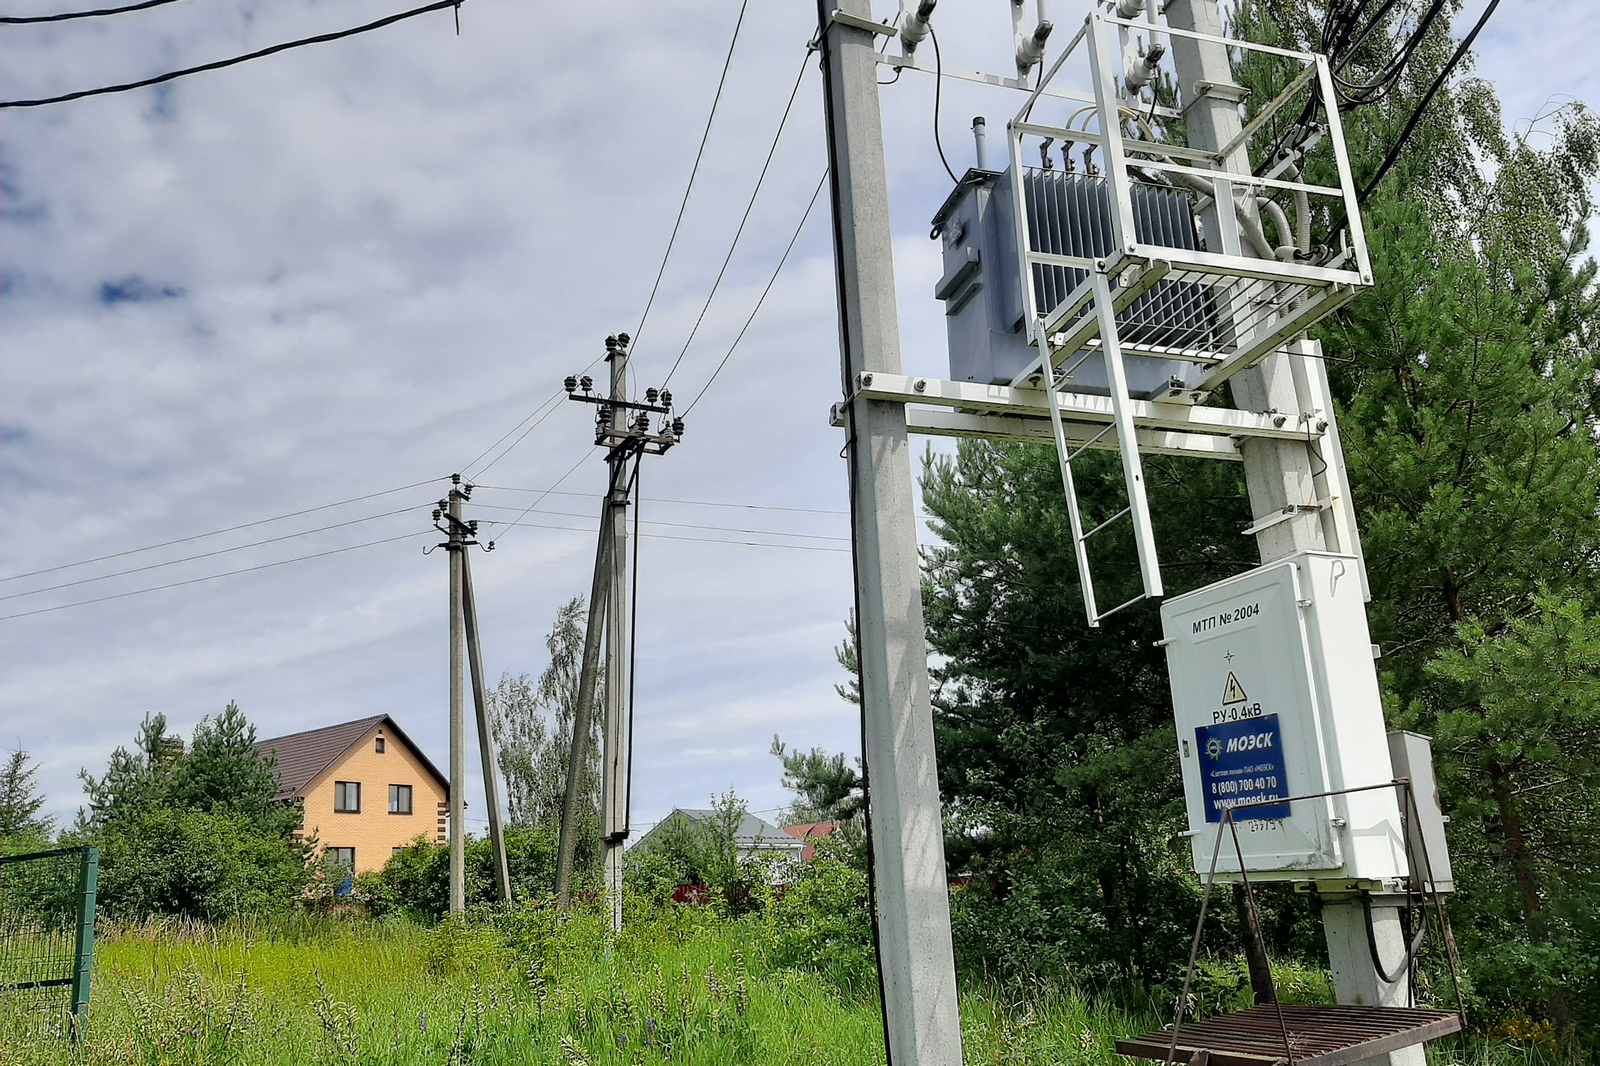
point(804, 64)
point(570, 471)
point(520, 523)
point(654, 499)
point(219, 532)
point(1427, 98)
point(322, 38)
point(207, 555)
point(683, 525)
point(213, 577)
point(22, 20)
point(715, 100)
point(770, 281)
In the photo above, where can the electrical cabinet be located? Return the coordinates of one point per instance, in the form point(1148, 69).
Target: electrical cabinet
point(1276, 697)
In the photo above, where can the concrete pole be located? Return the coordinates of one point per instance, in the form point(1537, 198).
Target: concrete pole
point(1279, 474)
point(916, 961)
point(480, 703)
point(458, 719)
point(614, 758)
point(583, 714)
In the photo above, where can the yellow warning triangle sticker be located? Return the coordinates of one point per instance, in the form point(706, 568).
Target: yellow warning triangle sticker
point(1233, 692)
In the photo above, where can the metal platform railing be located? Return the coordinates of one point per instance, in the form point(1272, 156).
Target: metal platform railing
point(1160, 252)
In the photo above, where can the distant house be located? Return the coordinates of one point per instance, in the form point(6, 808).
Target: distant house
point(367, 790)
point(809, 834)
point(755, 836)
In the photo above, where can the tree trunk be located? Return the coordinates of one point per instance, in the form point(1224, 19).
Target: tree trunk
point(1255, 949)
point(1514, 847)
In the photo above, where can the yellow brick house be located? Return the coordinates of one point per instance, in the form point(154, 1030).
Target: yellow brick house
point(367, 790)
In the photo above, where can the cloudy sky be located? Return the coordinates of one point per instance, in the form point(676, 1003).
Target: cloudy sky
point(345, 272)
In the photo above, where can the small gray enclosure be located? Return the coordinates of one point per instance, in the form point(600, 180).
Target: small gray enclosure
point(1069, 215)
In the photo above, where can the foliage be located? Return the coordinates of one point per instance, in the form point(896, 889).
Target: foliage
point(817, 919)
point(195, 864)
point(194, 830)
point(828, 788)
point(700, 851)
point(679, 985)
point(20, 800)
point(415, 882)
point(219, 770)
point(532, 725)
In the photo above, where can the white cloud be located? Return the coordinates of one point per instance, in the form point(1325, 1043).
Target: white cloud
point(354, 266)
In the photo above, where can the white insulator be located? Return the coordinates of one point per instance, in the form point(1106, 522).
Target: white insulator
point(1127, 9)
point(1030, 49)
point(1146, 70)
point(914, 24)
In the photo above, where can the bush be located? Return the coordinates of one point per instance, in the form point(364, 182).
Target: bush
point(819, 921)
point(196, 865)
point(415, 882)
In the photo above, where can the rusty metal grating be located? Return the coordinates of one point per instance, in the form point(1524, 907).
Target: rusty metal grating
point(1316, 1036)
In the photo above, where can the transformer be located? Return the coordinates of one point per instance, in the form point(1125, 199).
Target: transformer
point(1068, 216)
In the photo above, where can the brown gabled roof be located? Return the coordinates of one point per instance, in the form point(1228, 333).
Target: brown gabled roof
point(302, 757)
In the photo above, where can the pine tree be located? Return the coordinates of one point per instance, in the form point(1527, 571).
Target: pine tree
point(20, 801)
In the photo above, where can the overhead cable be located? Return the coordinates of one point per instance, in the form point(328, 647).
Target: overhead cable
point(683, 525)
point(662, 499)
point(670, 536)
point(748, 207)
point(1427, 98)
point(321, 38)
point(754, 310)
point(698, 155)
point(219, 532)
point(206, 555)
point(213, 577)
point(19, 20)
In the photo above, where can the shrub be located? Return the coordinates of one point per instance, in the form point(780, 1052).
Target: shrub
point(819, 921)
point(192, 864)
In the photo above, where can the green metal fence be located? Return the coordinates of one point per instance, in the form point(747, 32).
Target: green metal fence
point(47, 908)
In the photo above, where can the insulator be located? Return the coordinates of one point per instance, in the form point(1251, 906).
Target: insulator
point(603, 413)
point(473, 525)
point(571, 383)
point(623, 339)
point(455, 479)
point(587, 383)
point(642, 423)
point(651, 395)
point(611, 344)
point(666, 397)
point(677, 427)
point(436, 514)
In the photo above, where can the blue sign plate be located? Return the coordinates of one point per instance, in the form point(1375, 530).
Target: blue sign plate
point(1242, 762)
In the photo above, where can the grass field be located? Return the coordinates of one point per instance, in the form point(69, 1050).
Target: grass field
point(681, 987)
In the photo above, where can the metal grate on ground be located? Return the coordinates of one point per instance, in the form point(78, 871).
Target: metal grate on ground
point(1317, 1036)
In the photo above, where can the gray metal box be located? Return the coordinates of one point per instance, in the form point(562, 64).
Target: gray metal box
point(1412, 757)
point(982, 291)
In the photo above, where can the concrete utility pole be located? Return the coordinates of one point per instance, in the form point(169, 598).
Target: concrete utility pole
point(458, 721)
point(916, 959)
point(1280, 478)
point(583, 714)
point(615, 769)
point(480, 703)
point(625, 436)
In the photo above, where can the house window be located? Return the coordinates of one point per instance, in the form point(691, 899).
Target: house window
point(377, 745)
point(399, 799)
point(345, 857)
point(347, 796)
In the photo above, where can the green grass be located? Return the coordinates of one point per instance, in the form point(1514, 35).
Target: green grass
point(682, 986)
